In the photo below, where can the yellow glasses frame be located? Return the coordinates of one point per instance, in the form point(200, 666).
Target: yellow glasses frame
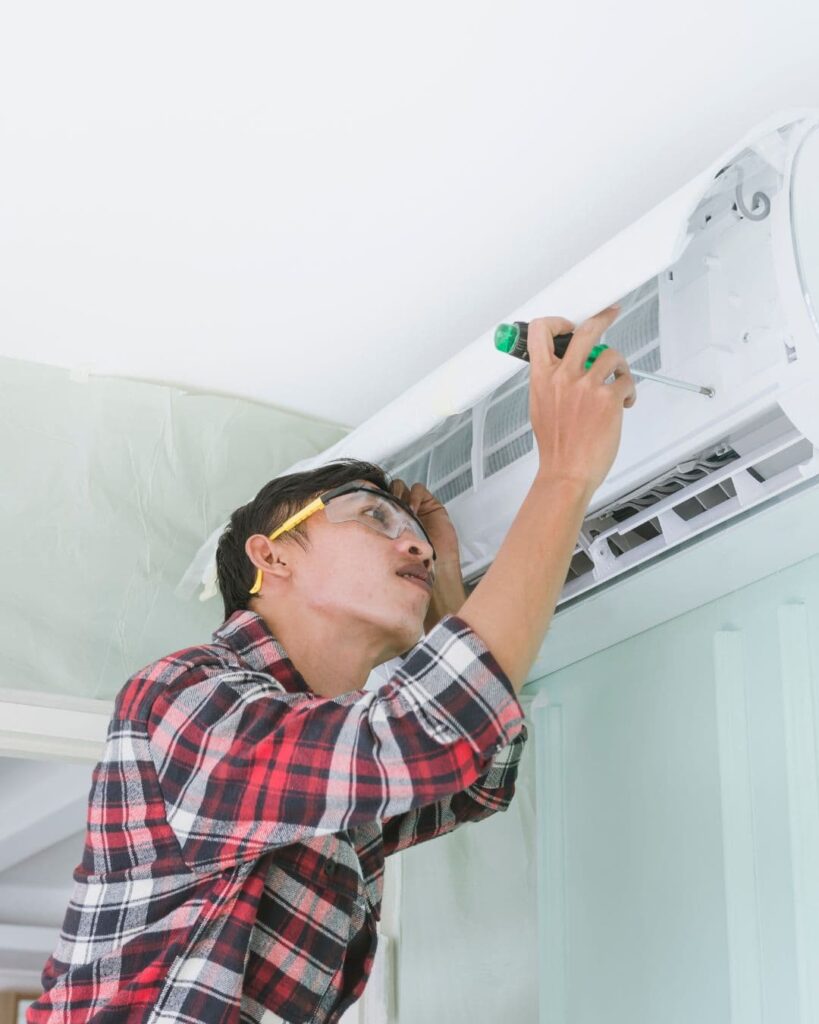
point(315, 506)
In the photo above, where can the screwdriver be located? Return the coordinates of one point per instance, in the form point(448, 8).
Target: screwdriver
point(513, 338)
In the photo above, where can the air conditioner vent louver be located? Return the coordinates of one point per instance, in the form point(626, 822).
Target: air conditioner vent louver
point(769, 456)
point(716, 495)
point(676, 480)
point(624, 542)
point(580, 564)
point(782, 460)
point(688, 499)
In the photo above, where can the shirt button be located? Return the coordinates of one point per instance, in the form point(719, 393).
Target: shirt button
point(330, 867)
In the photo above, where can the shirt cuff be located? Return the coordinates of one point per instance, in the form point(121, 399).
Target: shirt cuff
point(452, 674)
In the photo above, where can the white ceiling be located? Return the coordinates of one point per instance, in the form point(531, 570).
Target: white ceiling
point(314, 205)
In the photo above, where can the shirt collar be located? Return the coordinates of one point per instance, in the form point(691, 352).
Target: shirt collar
point(246, 634)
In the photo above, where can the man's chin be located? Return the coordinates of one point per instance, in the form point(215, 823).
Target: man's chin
point(403, 642)
point(419, 636)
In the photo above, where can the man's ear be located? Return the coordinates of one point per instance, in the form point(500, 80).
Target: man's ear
point(266, 554)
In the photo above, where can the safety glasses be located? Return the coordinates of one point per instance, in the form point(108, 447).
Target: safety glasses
point(352, 503)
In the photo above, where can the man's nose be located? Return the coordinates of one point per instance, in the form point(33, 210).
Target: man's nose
point(415, 545)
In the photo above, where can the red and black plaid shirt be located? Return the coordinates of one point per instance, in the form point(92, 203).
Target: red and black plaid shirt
point(238, 824)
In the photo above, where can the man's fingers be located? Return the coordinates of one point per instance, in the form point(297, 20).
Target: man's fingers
point(399, 489)
point(414, 496)
point(608, 362)
point(611, 362)
point(417, 494)
point(542, 333)
point(587, 335)
point(624, 385)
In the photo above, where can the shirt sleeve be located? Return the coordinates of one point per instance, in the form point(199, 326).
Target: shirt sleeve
point(491, 792)
point(244, 767)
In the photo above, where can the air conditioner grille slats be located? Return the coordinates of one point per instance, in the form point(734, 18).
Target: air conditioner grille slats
point(507, 435)
point(636, 335)
point(417, 469)
point(638, 326)
point(453, 487)
point(649, 363)
point(442, 460)
point(509, 453)
point(450, 467)
point(450, 458)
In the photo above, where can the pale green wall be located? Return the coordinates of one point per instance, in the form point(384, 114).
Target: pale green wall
point(677, 836)
point(109, 488)
point(468, 945)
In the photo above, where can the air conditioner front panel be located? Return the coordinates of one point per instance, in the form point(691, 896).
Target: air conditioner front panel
point(718, 287)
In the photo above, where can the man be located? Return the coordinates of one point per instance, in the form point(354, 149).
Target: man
point(251, 788)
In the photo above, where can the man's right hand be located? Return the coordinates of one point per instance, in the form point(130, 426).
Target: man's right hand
point(576, 418)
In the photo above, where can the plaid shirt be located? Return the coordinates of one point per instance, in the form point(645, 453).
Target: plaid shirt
point(238, 824)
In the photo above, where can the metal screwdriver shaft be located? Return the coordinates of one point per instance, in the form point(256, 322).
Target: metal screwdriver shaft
point(698, 388)
point(512, 338)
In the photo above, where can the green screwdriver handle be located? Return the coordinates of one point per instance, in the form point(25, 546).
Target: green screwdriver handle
point(595, 352)
point(513, 338)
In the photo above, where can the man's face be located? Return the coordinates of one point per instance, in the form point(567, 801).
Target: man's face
point(361, 578)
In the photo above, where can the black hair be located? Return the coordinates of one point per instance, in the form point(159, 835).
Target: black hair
point(273, 505)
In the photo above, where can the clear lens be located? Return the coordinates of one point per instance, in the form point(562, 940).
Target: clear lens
point(378, 513)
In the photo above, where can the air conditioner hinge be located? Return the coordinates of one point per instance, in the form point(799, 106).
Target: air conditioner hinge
point(601, 554)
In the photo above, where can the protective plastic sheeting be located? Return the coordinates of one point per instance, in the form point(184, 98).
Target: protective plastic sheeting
point(108, 488)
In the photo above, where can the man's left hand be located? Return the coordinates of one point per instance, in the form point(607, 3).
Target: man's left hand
point(448, 593)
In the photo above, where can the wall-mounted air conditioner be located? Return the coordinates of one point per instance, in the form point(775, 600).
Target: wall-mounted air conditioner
point(718, 285)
